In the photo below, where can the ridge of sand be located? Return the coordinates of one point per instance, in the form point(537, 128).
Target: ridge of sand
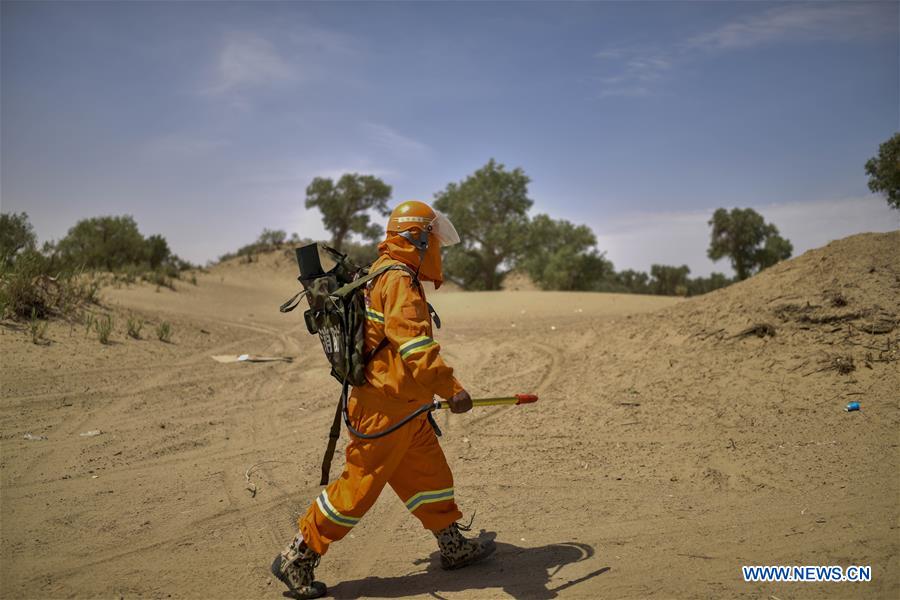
point(666, 450)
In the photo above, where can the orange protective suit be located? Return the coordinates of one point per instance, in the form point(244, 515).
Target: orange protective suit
point(403, 375)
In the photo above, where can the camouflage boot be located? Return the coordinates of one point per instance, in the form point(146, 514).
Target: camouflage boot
point(457, 551)
point(294, 568)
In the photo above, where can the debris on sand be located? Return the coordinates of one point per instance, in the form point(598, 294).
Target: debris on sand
point(759, 330)
point(878, 326)
point(836, 299)
point(91, 433)
point(843, 364)
point(34, 438)
point(233, 358)
point(251, 487)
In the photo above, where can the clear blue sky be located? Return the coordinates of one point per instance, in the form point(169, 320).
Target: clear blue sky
point(206, 121)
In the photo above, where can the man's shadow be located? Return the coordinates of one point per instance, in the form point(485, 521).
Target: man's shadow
point(521, 572)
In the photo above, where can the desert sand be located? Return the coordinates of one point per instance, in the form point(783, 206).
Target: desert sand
point(667, 449)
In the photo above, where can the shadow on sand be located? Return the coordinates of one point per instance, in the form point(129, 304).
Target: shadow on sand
point(520, 572)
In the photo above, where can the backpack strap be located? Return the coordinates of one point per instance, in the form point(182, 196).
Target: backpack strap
point(434, 315)
point(291, 304)
point(333, 436)
point(354, 285)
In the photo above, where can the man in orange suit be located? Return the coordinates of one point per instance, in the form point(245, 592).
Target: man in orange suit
point(405, 371)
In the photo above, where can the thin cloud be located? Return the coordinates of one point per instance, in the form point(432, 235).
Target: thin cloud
point(637, 70)
point(247, 60)
point(632, 71)
point(842, 21)
point(394, 142)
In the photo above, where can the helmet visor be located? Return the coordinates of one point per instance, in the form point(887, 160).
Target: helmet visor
point(443, 229)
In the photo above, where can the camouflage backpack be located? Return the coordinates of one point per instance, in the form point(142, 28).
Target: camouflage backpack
point(337, 313)
point(337, 309)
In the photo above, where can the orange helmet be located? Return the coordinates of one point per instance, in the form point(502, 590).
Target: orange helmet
point(414, 215)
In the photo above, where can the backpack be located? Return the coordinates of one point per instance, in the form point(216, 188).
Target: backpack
point(337, 309)
point(337, 313)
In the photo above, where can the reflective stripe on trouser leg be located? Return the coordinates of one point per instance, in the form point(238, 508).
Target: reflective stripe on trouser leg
point(342, 504)
point(424, 482)
point(333, 514)
point(429, 497)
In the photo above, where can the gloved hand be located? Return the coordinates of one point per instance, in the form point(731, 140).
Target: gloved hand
point(460, 402)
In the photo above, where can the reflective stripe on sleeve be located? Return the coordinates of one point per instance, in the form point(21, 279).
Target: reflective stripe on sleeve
point(374, 315)
point(418, 344)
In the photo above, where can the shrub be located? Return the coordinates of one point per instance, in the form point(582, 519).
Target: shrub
point(164, 332)
point(104, 327)
point(267, 241)
point(16, 235)
point(160, 279)
point(29, 285)
point(134, 327)
point(38, 329)
point(114, 244)
point(107, 243)
point(88, 323)
point(129, 274)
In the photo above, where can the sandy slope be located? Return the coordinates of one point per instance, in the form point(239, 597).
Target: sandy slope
point(665, 452)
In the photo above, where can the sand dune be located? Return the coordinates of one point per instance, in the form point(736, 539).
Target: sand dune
point(670, 445)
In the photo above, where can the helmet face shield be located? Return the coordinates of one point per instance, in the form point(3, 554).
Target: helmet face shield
point(443, 229)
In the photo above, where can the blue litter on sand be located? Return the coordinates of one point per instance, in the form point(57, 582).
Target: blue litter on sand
point(851, 406)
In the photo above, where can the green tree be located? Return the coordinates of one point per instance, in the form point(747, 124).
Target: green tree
point(16, 235)
point(774, 250)
point(269, 239)
point(158, 252)
point(345, 205)
point(702, 285)
point(361, 253)
point(635, 282)
point(747, 240)
point(562, 256)
point(490, 210)
point(272, 238)
point(667, 280)
point(884, 171)
point(104, 243)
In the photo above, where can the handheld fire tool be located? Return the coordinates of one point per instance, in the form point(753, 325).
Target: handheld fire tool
point(517, 399)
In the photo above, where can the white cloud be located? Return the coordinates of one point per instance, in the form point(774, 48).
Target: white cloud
point(637, 240)
point(247, 60)
point(394, 142)
point(799, 22)
point(633, 70)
